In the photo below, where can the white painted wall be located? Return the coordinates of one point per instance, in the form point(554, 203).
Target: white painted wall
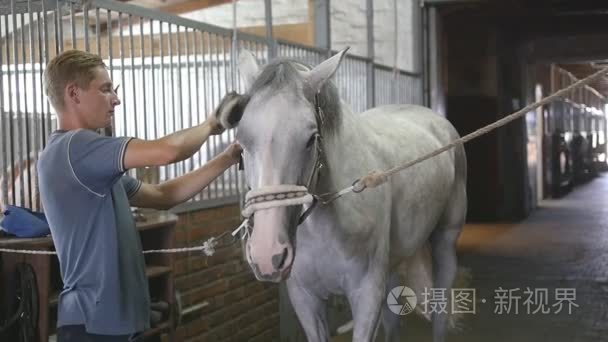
point(348, 24)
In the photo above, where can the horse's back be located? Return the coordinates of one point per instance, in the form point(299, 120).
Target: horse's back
point(414, 118)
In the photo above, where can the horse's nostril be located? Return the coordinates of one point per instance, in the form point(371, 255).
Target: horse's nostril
point(279, 259)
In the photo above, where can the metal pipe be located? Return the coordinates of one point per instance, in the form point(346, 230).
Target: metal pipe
point(179, 87)
point(109, 131)
point(206, 92)
point(153, 80)
point(216, 101)
point(226, 81)
point(73, 24)
point(197, 96)
point(58, 28)
point(143, 74)
point(173, 114)
point(189, 87)
point(371, 54)
point(17, 101)
point(4, 118)
point(98, 31)
point(133, 85)
point(122, 76)
point(85, 24)
point(272, 44)
point(163, 98)
point(43, 31)
point(30, 136)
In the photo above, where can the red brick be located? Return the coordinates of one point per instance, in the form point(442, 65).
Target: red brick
point(200, 294)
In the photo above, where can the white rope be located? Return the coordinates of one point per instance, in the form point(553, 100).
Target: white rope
point(26, 251)
point(208, 247)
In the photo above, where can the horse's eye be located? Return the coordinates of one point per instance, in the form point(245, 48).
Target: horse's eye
point(311, 141)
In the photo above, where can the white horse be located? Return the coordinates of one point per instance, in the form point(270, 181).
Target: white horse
point(295, 121)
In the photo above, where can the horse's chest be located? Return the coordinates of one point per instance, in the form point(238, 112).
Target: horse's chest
point(325, 267)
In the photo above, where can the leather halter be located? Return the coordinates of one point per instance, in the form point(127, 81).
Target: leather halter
point(286, 194)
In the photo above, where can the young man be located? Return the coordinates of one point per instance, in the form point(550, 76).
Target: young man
point(87, 196)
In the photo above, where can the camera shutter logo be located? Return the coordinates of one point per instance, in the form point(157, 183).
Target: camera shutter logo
point(401, 300)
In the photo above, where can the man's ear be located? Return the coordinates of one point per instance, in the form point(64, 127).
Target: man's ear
point(72, 92)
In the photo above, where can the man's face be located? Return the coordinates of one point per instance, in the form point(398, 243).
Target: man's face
point(96, 104)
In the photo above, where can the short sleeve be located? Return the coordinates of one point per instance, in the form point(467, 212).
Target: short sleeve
point(97, 161)
point(131, 185)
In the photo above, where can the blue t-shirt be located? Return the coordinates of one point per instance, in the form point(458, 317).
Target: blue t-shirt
point(85, 196)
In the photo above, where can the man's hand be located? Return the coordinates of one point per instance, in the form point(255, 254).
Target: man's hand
point(214, 125)
point(233, 152)
point(230, 110)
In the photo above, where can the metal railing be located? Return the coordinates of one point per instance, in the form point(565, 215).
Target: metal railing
point(172, 72)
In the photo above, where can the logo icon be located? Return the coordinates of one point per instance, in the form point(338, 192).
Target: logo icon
point(401, 300)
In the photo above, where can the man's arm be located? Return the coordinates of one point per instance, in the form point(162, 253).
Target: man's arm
point(169, 149)
point(173, 192)
point(180, 145)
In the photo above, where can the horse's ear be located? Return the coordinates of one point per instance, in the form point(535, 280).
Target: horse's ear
point(248, 66)
point(325, 71)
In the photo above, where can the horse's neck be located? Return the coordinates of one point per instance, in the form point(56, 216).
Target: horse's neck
point(342, 153)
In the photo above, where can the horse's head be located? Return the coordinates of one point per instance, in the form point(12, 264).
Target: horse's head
point(290, 108)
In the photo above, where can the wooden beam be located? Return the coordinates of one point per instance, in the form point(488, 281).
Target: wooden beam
point(297, 33)
point(191, 5)
point(203, 45)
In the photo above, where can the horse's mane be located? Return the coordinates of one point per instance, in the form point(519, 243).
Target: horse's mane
point(283, 73)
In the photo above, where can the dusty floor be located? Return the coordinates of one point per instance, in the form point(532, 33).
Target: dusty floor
point(562, 245)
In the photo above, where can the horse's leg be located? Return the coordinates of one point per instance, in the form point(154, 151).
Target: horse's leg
point(390, 320)
point(443, 247)
point(311, 311)
point(366, 302)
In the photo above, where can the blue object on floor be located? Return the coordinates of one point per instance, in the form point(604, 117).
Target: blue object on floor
point(24, 223)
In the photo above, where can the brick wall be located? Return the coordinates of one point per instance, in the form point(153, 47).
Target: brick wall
point(240, 308)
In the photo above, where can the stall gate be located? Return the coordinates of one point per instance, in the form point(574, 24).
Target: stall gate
point(172, 71)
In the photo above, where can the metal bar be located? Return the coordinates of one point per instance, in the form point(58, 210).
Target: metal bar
point(206, 92)
point(371, 54)
point(322, 25)
point(46, 117)
point(283, 44)
point(174, 127)
point(133, 85)
point(190, 160)
point(179, 88)
point(31, 136)
point(5, 118)
point(164, 103)
point(144, 88)
point(109, 131)
point(169, 18)
point(216, 101)
point(197, 97)
point(17, 102)
point(122, 75)
point(85, 24)
point(98, 31)
point(153, 80)
point(73, 24)
point(226, 81)
point(58, 28)
point(272, 45)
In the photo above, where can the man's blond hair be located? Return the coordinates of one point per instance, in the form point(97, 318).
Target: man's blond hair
point(69, 66)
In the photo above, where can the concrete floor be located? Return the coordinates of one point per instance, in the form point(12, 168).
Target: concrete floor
point(563, 244)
